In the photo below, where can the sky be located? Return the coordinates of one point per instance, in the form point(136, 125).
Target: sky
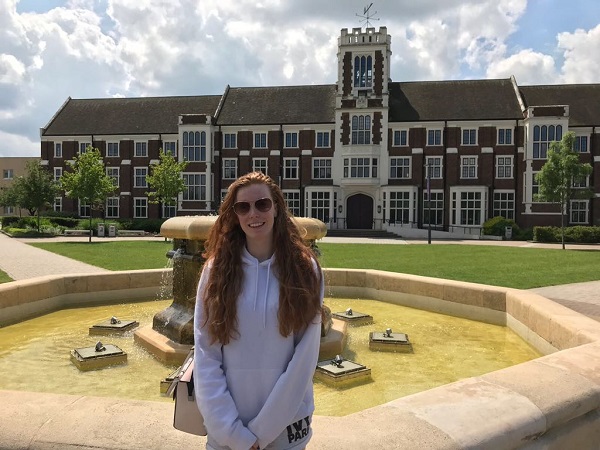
point(54, 49)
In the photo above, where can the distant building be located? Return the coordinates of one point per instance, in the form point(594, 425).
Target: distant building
point(358, 154)
point(11, 168)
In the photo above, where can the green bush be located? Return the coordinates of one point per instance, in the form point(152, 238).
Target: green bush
point(149, 225)
point(496, 226)
point(575, 234)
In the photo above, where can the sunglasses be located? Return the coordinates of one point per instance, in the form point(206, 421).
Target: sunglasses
point(262, 205)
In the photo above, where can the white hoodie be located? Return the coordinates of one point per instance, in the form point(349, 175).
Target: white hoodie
point(261, 382)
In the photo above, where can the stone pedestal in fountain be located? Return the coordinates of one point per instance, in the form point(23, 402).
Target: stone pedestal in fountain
point(172, 332)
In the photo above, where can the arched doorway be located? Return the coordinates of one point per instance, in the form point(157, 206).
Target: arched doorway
point(359, 209)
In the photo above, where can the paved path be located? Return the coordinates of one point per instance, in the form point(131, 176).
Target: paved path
point(21, 261)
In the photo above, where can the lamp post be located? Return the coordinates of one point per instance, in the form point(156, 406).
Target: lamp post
point(428, 202)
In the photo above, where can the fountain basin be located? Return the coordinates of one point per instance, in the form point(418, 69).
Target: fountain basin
point(552, 402)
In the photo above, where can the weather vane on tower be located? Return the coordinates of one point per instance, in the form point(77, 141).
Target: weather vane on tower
point(367, 16)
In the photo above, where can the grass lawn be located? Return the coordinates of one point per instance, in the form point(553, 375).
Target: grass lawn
point(4, 278)
point(521, 268)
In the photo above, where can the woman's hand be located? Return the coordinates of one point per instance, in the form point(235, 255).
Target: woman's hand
point(255, 446)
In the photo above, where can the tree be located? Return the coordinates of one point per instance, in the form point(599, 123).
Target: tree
point(87, 181)
point(558, 176)
point(35, 190)
point(9, 196)
point(165, 180)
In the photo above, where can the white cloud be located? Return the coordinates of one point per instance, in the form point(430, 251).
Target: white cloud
point(18, 145)
point(581, 49)
point(527, 66)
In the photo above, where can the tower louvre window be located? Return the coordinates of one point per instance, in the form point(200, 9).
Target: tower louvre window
point(363, 71)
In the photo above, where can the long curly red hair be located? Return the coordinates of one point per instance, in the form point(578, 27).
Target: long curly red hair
point(299, 284)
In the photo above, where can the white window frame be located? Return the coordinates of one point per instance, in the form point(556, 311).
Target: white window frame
point(469, 165)
point(435, 132)
point(169, 210)
point(575, 206)
point(58, 149)
point(260, 165)
point(399, 170)
point(140, 203)
point(58, 204)
point(115, 174)
point(397, 137)
point(293, 139)
point(471, 135)
point(457, 206)
point(291, 168)
point(58, 171)
point(292, 200)
point(8, 174)
point(83, 208)
point(140, 149)
point(581, 183)
point(194, 151)
point(112, 204)
point(577, 143)
point(198, 190)
point(437, 208)
point(433, 170)
point(321, 165)
point(170, 148)
point(230, 168)
point(137, 175)
point(111, 146)
point(543, 145)
point(324, 136)
point(83, 147)
point(401, 206)
point(501, 136)
point(230, 137)
point(259, 135)
point(361, 129)
point(504, 203)
point(361, 167)
point(504, 162)
point(319, 205)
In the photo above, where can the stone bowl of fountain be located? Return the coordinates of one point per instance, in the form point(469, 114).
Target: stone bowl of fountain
point(172, 333)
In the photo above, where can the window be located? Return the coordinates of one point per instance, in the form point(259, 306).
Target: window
point(542, 137)
point(140, 207)
point(504, 166)
point(57, 173)
point(323, 138)
point(112, 149)
point(361, 130)
point(581, 144)
point(83, 147)
point(292, 200)
point(400, 167)
point(291, 140)
point(579, 211)
point(469, 136)
point(504, 136)
point(112, 207)
point(114, 173)
point(169, 210)
point(320, 204)
point(433, 209)
point(581, 182)
point(360, 168)
point(57, 150)
point(321, 168)
point(400, 207)
point(84, 209)
point(290, 168)
point(434, 137)
point(468, 167)
point(400, 138)
point(57, 206)
point(535, 189)
point(504, 204)
point(468, 208)
point(141, 149)
point(194, 146)
point(195, 186)
point(434, 166)
point(140, 177)
point(260, 165)
point(8, 174)
point(229, 168)
point(170, 148)
point(260, 140)
point(229, 140)
point(363, 71)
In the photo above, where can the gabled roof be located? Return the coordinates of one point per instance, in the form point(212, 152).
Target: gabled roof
point(145, 115)
point(453, 100)
point(583, 100)
point(278, 105)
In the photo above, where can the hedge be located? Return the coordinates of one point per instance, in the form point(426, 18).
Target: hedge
point(575, 234)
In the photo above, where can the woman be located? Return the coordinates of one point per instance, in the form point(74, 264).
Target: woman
point(257, 324)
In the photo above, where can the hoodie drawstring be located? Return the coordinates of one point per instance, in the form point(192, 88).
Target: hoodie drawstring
point(266, 295)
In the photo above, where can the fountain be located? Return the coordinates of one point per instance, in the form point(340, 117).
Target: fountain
point(388, 341)
point(113, 326)
point(353, 317)
point(98, 357)
point(172, 334)
point(341, 372)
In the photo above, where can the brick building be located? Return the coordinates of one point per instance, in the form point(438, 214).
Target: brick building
point(363, 153)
